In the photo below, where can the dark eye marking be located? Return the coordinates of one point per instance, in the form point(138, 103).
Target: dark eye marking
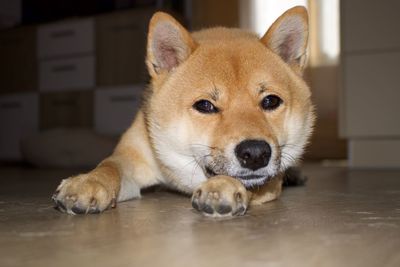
point(205, 106)
point(271, 102)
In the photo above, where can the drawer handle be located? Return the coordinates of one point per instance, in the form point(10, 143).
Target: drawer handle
point(64, 102)
point(10, 105)
point(62, 34)
point(64, 68)
point(126, 27)
point(126, 98)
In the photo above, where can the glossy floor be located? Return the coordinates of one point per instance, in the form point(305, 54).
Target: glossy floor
point(340, 218)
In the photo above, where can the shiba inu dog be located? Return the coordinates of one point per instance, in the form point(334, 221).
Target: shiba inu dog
point(226, 114)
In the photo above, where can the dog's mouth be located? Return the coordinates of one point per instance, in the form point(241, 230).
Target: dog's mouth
point(247, 180)
point(250, 177)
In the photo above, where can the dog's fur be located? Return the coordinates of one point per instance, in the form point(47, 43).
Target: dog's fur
point(172, 142)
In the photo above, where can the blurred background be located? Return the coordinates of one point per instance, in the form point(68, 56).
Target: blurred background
point(72, 73)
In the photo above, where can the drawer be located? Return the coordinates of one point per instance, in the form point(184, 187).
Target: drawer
point(19, 118)
point(66, 39)
point(66, 109)
point(18, 52)
point(121, 47)
point(67, 74)
point(115, 108)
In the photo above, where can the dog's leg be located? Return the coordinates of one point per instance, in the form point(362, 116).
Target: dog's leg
point(294, 177)
point(221, 196)
point(119, 177)
point(267, 192)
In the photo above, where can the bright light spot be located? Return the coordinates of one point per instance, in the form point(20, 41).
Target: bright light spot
point(265, 12)
point(329, 31)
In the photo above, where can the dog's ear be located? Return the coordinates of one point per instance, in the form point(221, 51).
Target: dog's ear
point(168, 44)
point(288, 37)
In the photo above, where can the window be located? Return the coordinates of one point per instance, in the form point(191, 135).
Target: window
point(258, 15)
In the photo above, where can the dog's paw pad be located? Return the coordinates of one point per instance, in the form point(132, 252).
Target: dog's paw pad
point(221, 196)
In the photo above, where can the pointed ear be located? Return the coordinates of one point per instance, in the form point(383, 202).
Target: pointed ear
point(168, 44)
point(288, 37)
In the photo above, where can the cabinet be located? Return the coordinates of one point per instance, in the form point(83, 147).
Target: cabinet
point(370, 75)
point(66, 54)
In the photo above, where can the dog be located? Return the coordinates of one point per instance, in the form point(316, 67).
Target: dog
point(225, 115)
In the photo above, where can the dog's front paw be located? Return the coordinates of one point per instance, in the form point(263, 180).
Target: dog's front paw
point(221, 196)
point(83, 194)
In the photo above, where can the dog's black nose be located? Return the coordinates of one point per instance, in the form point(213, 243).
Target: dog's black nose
point(253, 154)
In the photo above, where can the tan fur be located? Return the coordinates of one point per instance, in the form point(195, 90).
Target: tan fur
point(170, 142)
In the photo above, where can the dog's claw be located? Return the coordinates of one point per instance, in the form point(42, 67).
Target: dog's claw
point(114, 203)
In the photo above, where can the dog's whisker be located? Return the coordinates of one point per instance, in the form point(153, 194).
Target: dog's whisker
point(290, 146)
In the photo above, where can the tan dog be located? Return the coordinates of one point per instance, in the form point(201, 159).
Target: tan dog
point(225, 115)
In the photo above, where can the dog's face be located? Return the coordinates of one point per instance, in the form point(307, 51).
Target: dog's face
point(226, 102)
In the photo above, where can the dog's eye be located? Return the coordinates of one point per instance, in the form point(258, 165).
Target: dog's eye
point(271, 102)
point(205, 106)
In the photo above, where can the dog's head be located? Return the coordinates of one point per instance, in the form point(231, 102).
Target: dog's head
point(226, 102)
